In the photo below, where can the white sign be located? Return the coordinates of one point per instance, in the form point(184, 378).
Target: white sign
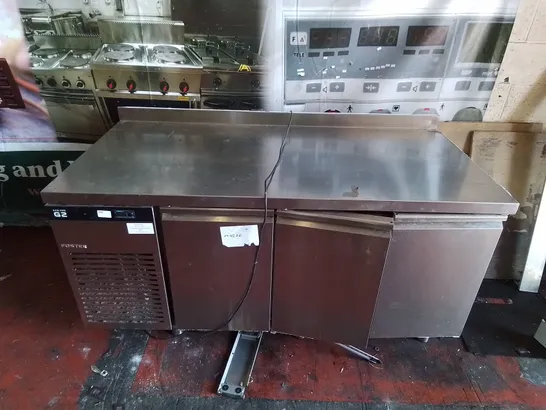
point(104, 214)
point(298, 38)
point(237, 236)
point(140, 228)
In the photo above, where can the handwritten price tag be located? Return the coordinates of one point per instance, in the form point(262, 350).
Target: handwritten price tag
point(237, 236)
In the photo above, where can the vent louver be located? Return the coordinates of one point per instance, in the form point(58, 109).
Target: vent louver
point(120, 289)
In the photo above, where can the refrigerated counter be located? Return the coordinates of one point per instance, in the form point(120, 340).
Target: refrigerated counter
point(375, 226)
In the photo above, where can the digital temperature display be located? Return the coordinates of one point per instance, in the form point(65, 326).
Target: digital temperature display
point(329, 37)
point(379, 36)
point(422, 36)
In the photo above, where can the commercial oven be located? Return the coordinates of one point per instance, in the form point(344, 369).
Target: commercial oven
point(74, 112)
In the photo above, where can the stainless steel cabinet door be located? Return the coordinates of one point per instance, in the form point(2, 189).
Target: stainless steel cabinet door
point(435, 267)
point(209, 279)
point(327, 270)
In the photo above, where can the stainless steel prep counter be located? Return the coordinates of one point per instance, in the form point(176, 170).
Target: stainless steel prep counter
point(379, 225)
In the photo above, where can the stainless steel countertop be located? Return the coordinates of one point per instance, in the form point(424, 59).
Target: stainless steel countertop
point(195, 164)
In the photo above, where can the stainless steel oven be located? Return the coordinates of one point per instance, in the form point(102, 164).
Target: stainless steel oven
point(75, 113)
point(113, 100)
point(229, 90)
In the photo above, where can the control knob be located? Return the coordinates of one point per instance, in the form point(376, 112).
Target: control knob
point(255, 83)
point(39, 82)
point(163, 86)
point(52, 82)
point(217, 82)
point(65, 83)
point(131, 86)
point(80, 84)
point(111, 83)
point(184, 87)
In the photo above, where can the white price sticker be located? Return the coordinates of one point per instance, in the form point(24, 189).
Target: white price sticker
point(140, 228)
point(104, 214)
point(238, 236)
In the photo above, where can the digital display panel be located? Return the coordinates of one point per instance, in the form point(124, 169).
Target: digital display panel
point(423, 36)
point(485, 43)
point(378, 36)
point(329, 37)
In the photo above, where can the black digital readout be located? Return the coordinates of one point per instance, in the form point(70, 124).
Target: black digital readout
point(329, 37)
point(379, 36)
point(424, 36)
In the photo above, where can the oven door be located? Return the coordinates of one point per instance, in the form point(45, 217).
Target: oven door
point(250, 103)
point(75, 113)
point(226, 102)
point(113, 101)
point(219, 103)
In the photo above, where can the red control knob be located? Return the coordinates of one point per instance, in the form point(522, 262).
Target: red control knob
point(184, 87)
point(164, 86)
point(131, 86)
point(111, 83)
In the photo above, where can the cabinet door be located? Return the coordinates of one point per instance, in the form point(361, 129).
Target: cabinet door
point(327, 270)
point(435, 267)
point(208, 279)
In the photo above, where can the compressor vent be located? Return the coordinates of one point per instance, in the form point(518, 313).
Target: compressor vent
point(121, 289)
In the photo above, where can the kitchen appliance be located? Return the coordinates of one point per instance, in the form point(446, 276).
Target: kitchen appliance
point(360, 59)
point(67, 23)
point(233, 78)
point(114, 265)
point(364, 198)
point(66, 85)
point(140, 29)
point(151, 75)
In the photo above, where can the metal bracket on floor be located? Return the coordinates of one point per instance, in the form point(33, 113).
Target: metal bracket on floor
point(239, 367)
point(361, 353)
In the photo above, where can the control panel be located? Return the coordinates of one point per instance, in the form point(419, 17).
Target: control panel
point(96, 213)
point(388, 61)
point(63, 79)
point(169, 83)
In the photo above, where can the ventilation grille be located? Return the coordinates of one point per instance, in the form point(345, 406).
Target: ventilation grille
point(120, 288)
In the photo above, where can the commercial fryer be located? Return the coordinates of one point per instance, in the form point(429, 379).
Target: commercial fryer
point(375, 226)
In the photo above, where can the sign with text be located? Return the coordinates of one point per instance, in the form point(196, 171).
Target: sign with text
point(24, 173)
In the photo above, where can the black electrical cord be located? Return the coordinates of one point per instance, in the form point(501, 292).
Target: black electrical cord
point(267, 183)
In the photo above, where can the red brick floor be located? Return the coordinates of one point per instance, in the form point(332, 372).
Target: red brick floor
point(46, 354)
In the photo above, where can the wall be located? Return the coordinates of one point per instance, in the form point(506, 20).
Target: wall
point(106, 7)
point(520, 90)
